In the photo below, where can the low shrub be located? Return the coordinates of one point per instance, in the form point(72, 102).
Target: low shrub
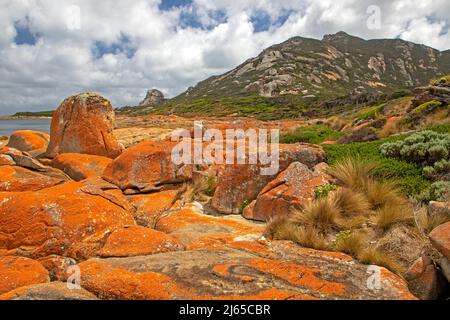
point(314, 134)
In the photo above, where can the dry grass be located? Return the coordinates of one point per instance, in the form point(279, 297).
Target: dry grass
point(435, 221)
point(351, 243)
point(380, 258)
point(275, 227)
point(311, 238)
point(320, 214)
point(352, 173)
point(389, 129)
point(336, 123)
point(390, 215)
point(282, 228)
point(350, 203)
point(383, 193)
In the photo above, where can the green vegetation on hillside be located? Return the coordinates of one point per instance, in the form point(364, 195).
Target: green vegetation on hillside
point(314, 134)
point(34, 114)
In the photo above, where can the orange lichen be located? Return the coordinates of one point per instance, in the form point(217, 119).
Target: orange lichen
point(298, 275)
point(137, 240)
point(17, 272)
point(116, 283)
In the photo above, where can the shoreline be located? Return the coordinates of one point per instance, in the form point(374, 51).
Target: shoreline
point(23, 118)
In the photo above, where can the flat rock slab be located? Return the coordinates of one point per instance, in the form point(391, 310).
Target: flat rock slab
point(48, 291)
point(276, 270)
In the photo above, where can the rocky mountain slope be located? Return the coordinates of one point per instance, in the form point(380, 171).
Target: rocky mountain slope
point(304, 77)
point(338, 64)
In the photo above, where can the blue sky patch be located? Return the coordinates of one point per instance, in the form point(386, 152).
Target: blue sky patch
point(170, 4)
point(122, 46)
point(24, 35)
point(262, 21)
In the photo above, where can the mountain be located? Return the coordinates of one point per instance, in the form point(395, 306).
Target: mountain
point(301, 72)
point(336, 65)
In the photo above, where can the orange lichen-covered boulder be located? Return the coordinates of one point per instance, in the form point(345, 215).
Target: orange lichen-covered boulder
point(83, 123)
point(290, 189)
point(34, 142)
point(241, 183)
point(48, 291)
point(13, 178)
point(81, 166)
point(425, 280)
point(200, 231)
point(146, 167)
point(57, 266)
point(20, 158)
point(150, 207)
point(440, 237)
point(17, 272)
point(138, 241)
point(69, 220)
point(283, 271)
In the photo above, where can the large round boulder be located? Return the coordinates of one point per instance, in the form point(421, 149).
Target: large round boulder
point(34, 142)
point(83, 123)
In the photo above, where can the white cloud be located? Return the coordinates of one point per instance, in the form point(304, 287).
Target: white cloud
point(168, 54)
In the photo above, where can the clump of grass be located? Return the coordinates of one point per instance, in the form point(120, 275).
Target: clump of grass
point(352, 173)
point(351, 203)
point(275, 227)
point(388, 216)
point(383, 193)
point(349, 242)
point(436, 220)
point(320, 214)
point(380, 258)
point(311, 238)
point(283, 228)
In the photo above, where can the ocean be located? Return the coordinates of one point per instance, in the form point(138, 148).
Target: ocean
point(8, 126)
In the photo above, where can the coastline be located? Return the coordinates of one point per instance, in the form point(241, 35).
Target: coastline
point(23, 118)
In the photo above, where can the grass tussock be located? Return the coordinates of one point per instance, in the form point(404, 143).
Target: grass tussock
point(349, 242)
point(380, 258)
point(390, 215)
point(436, 220)
point(353, 173)
point(351, 203)
point(320, 214)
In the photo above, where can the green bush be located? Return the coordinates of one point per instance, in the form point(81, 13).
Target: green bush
point(314, 134)
point(323, 191)
point(427, 107)
point(372, 113)
point(425, 147)
point(438, 191)
point(439, 170)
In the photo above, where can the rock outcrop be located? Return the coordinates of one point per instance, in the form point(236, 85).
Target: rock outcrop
point(291, 189)
point(81, 166)
point(145, 167)
point(279, 270)
point(68, 220)
point(83, 124)
point(14, 178)
point(440, 237)
point(152, 98)
point(17, 272)
point(33, 142)
point(424, 280)
point(239, 184)
point(48, 291)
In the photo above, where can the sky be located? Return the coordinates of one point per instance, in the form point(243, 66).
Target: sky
point(50, 49)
